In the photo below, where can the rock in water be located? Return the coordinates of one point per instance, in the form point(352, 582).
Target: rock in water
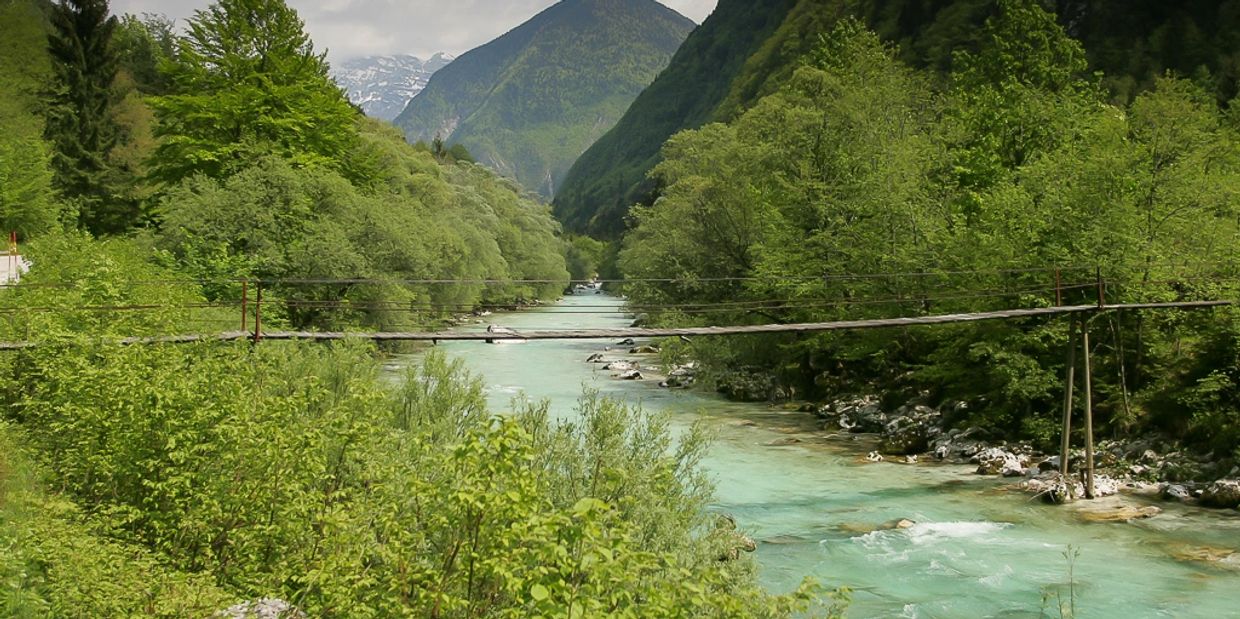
point(1122, 513)
point(995, 461)
point(632, 375)
point(595, 358)
point(1222, 493)
point(644, 350)
point(1176, 492)
point(896, 525)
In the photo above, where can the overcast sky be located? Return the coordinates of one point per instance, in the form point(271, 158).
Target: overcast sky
point(352, 28)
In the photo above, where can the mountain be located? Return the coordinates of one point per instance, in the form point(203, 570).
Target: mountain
point(383, 85)
point(746, 48)
point(611, 175)
point(530, 102)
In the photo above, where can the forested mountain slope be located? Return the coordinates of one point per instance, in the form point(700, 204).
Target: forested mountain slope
point(530, 102)
point(747, 49)
point(611, 175)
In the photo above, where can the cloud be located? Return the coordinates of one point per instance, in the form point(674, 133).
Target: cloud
point(352, 28)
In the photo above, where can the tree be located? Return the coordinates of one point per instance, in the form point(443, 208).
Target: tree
point(80, 125)
point(142, 47)
point(247, 82)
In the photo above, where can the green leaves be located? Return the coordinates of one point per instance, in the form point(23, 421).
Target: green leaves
point(247, 82)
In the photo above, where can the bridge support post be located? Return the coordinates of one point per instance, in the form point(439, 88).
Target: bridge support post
point(245, 301)
point(1065, 443)
point(1089, 413)
point(258, 313)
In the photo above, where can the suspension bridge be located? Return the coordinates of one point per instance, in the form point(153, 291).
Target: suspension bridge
point(1080, 317)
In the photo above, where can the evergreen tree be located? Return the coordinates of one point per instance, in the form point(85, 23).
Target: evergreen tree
point(80, 126)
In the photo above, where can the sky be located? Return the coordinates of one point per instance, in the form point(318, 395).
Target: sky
point(354, 28)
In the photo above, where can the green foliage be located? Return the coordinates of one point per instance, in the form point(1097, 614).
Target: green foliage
point(316, 225)
point(745, 50)
point(859, 165)
point(292, 471)
point(53, 562)
point(584, 256)
point(27, 202)
point(75, 281)
point(528, 103)
point(246, 83)
point(27, 205)
point(142, 46)
point(80, 122)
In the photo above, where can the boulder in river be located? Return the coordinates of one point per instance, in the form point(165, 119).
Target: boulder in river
point(628, 341)
point(644, 350)
point(911, 432)
point(1222, 493)
point(595, 358)
point(996, 461)
point(631, 375)
point(1119, 513)
point(1176, 492)
point(620, 366)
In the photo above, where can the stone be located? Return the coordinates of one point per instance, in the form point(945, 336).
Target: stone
point(1218, 557)
point(644, 350)
point(874, 456)
point(267, 608)
point(996, 461)
point(910, 459)
point(631, 375)
point(911, 432)
point(620, 366)
point(626, 342)
point(1223, 493)
point(896, 525)
point(1053, 488)
point(1122, 513)
point(595, 358)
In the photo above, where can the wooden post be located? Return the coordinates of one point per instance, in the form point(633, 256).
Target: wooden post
point(245, 291)
point(1065, 443)
point(258, 312)
point(1089, 413)
point(1059, 293)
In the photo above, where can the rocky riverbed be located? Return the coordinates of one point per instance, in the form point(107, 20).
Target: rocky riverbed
point(1150, 466)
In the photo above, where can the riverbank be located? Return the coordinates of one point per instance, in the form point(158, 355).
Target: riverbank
point(916, 432)
point(816, 506)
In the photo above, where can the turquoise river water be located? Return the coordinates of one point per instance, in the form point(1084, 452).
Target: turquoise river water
point(976, 550)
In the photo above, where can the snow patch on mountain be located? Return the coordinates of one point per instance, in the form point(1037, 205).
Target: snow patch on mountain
point(383, 85)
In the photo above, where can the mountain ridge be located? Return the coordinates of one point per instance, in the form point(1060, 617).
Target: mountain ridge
point(760, 42)
point(529, 102)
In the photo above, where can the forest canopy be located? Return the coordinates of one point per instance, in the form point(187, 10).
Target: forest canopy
point(1016, 183)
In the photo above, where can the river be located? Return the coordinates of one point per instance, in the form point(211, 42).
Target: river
point(976, 550)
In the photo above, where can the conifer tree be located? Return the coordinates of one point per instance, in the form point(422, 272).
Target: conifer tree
point(79, 124)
